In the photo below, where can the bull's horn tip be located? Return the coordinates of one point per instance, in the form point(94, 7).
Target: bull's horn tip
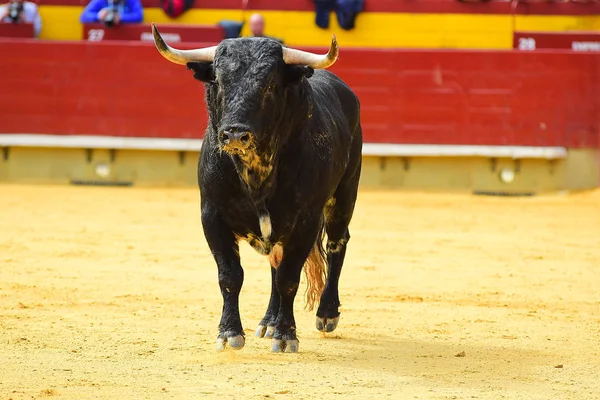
point(155, 31)
point(334, 41)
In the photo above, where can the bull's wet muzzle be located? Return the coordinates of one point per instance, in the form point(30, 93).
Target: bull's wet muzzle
point(236, 141)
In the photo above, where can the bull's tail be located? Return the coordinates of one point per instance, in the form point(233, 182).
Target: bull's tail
point(315, 269)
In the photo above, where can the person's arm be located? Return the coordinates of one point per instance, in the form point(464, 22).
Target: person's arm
point(37, 23)
point(31, 15)
point(134, 12)
point(90, 12)
point(3, 13)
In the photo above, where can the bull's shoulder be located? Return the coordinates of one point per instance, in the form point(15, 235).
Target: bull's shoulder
point(332, 93)
point(323, 79)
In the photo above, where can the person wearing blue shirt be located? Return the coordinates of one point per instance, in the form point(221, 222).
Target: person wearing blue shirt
point(113, 12)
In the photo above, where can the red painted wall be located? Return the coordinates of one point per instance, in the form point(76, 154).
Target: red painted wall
point(477, 97)
point(592, 7)
point(407, 96)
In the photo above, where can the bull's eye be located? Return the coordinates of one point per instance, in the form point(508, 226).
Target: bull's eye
point(270, 88)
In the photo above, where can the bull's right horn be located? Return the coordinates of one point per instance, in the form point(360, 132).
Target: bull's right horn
point(317, 61)
point(181, 57)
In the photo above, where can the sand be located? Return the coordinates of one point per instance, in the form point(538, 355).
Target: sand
point(111, 293)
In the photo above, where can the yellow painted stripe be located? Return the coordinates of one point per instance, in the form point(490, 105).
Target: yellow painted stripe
point(373, 29)
point(396, 30)
point(193, 16)
point(61, 22)
point(557, 23)
point(483, 31)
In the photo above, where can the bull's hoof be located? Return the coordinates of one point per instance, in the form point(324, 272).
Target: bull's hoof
point(284, 346)
point(270, 331)
point(265, 331)
point(327, 324)
point(235, 342)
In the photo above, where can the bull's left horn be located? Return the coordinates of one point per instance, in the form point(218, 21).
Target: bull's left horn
point(181, 57)
point(317, 61)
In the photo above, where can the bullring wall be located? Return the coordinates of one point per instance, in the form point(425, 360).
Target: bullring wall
point(498, 99)
point(540, 98)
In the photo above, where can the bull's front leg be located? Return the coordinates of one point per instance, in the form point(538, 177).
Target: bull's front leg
point(225, 249)
point(266, 327)
point(287, 280)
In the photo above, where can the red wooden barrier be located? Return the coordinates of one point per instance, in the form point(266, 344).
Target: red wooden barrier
point(22, 30)
point(477, 97)
point(432, 97)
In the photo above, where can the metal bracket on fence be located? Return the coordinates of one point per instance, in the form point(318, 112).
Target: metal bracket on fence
point(551, 166)
point(493, 164)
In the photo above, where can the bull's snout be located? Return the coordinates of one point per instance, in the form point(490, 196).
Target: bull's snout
point(236, 140)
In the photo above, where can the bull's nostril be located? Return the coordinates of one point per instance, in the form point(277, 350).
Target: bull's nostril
point(235, 138)
point(225, 137)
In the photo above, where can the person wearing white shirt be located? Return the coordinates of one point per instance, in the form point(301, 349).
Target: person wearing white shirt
point(17, 11)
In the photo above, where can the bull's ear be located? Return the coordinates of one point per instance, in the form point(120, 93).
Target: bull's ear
point(295, 73)
point(203, 71)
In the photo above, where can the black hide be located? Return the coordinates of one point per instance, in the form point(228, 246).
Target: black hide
point(301, 169)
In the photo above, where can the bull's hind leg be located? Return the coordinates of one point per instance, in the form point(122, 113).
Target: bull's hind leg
point(338, 213)
point(225, 250)
point(266, 327)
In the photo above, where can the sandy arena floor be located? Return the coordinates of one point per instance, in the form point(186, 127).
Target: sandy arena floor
point(111, 293)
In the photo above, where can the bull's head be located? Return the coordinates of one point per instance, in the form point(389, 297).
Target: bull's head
point(253, 88)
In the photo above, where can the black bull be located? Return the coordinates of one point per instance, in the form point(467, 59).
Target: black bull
point(279, 167)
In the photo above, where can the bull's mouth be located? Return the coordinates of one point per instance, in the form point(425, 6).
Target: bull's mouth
point(236, 141)
point(240, 152)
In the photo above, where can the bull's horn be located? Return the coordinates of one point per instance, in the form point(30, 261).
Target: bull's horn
point(181, 56)
point(317, 61)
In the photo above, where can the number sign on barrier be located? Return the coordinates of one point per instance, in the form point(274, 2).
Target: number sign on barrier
point(143, 32)
point(576, 41)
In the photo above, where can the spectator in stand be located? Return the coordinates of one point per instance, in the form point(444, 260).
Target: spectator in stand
point(113, 12)
point(21, 11)
point(257, 27)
